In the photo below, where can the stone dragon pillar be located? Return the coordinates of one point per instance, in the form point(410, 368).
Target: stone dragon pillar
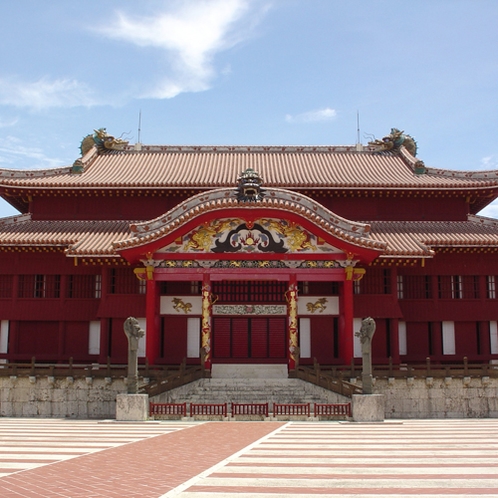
point(365, 334)
point(133, 333)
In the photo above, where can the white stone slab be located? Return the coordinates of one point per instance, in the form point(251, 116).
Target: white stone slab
point(132, 407)
point(368, 407)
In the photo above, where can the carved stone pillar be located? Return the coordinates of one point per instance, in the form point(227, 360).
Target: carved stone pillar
point(366, 334)
point(133, 333)
point(291, 294)
point(207, 301)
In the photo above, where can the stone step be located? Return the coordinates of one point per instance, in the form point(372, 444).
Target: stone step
point(250, 391)
point(238, 371)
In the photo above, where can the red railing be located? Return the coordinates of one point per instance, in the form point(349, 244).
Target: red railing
point(250, 409)
point(219, 409)
point(168, 409)
point(291, 409)
point(339, 410)
point(332, 410)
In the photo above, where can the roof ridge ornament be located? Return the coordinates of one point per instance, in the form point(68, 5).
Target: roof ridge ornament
point(78, 166)
point(102, 140)
point(249, 187)
point(394, 141)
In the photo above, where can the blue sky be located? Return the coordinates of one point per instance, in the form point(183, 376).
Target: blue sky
point(249, 72)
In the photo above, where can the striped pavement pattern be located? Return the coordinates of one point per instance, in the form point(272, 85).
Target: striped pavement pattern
point(30, 443)
point(430, 458)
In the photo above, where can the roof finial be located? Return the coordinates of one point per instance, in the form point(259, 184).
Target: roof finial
point(359, 145)
point(138, 145)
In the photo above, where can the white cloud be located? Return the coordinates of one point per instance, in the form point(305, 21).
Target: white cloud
point(12, 149)
point(489, 162)
point(326, 114)
point(4, 123)
point(44, 93)
point(189, 36)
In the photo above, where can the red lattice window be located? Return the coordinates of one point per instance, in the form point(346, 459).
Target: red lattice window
point(250, 291)
point(83, 286)
point(491, 286)
point(6, 286)
point(470, 287)
point(124, 281)
point(375, 281)
point(414, 287)
point(39, 286)
point(450, 286)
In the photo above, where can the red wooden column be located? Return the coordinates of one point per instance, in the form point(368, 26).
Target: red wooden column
point(207, 301)
point(14, 324)
point(104, 341)
point(153, 342)
point(394, 323)
point(62, 325)
point(292, 320)
point(61, 342)
point(346, 329)
point(395, 341)
point(105, 332)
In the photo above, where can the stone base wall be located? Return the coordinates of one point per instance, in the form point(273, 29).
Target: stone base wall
point(411, 398)
point(59, 398)
point(439, 398)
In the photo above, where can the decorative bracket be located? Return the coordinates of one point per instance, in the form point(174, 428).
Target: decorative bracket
point(354, 274)
point(150, 264)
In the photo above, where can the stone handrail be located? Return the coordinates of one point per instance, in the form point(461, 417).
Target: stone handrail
point(184, 375)
point(436, 370)
point(396, 371)
point(81, 370)
point(326, 379)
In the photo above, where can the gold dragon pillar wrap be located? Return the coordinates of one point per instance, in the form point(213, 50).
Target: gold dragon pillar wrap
point(207, 302)
point(291, 296)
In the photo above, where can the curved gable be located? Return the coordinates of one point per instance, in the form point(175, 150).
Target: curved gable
point(216, 224)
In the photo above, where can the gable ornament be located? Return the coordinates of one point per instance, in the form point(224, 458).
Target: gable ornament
point(249, 187)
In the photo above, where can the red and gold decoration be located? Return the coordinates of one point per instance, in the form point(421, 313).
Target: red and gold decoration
point(291, 297)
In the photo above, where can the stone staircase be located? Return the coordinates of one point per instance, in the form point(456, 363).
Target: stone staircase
point(241, 384)
point(249, 391)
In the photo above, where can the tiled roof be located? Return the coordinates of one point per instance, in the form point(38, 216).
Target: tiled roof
point(77, 238)
point(160, 167)
point(96, 238)
point(418, 238)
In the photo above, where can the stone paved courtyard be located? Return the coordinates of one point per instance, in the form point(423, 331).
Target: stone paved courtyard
point(93, 459)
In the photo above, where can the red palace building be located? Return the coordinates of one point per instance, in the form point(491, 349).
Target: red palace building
point(254, 254)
